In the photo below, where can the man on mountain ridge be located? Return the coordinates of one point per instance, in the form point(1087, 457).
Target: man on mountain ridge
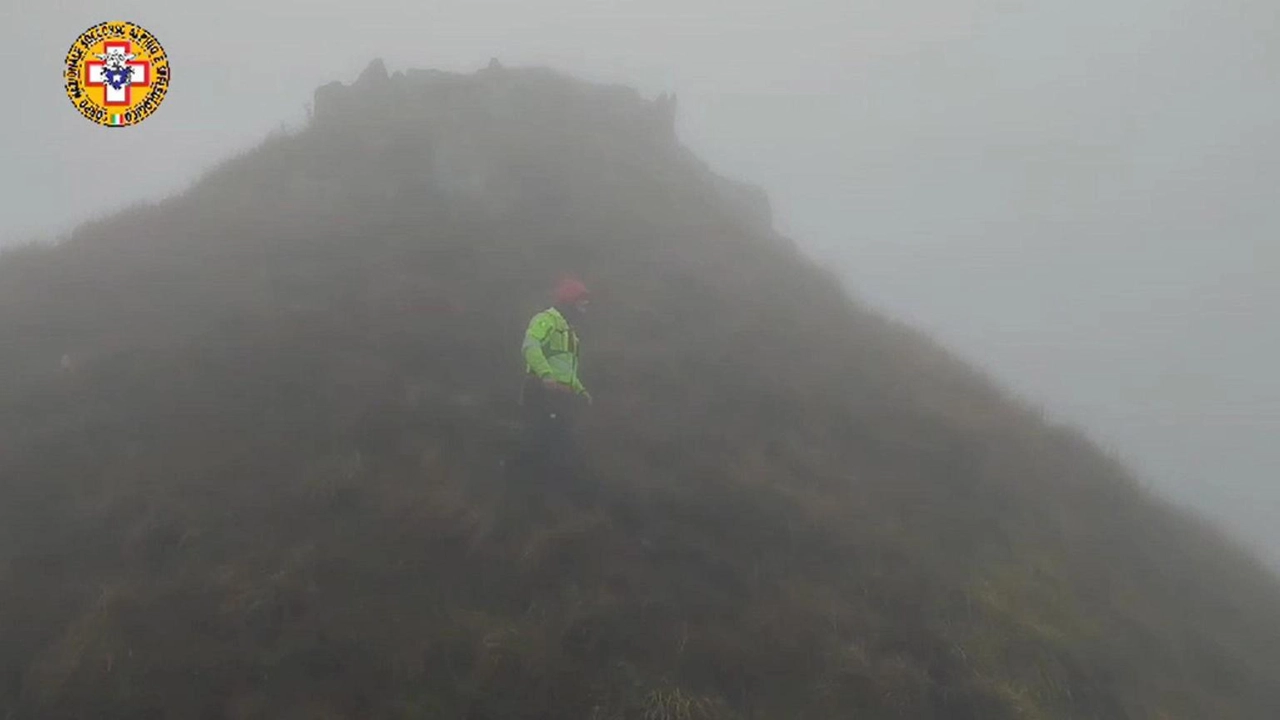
point(553, 392)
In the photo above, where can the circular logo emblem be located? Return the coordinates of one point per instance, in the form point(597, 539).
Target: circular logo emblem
point(117, 74)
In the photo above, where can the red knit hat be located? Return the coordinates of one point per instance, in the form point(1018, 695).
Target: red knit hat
point(570, 290)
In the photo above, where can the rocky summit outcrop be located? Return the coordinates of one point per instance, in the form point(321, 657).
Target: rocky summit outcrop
point(448, 115)
point(254, 444)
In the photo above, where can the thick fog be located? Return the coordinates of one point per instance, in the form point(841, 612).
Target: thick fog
point(1080, 197)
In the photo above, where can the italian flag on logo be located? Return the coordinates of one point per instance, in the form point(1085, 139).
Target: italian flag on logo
point(117, 119)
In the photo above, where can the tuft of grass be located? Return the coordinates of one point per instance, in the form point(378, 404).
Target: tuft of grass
point(674, 703)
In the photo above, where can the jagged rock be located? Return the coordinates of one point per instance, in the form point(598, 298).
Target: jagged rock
point(375, 74)
point(327, 103)
point(423, 108)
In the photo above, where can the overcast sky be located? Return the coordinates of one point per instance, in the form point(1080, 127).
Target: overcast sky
point(1083, 197)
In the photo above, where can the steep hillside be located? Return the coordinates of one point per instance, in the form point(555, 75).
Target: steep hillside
point(271, 483)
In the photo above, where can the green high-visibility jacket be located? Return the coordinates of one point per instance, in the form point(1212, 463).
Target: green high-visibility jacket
point(551, 349)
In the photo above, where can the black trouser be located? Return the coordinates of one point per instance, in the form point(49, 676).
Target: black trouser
point(549, 454)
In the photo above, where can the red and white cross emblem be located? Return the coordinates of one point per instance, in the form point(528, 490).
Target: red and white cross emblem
point(94, 76)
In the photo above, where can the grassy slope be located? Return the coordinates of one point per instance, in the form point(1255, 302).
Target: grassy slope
point(271, 487)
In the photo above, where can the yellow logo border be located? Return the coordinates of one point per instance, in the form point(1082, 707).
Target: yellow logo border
point(76, 77)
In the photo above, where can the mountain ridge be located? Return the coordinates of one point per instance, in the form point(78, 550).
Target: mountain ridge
point(270, 484)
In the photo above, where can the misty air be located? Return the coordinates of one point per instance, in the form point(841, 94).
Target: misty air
point(640, 361)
